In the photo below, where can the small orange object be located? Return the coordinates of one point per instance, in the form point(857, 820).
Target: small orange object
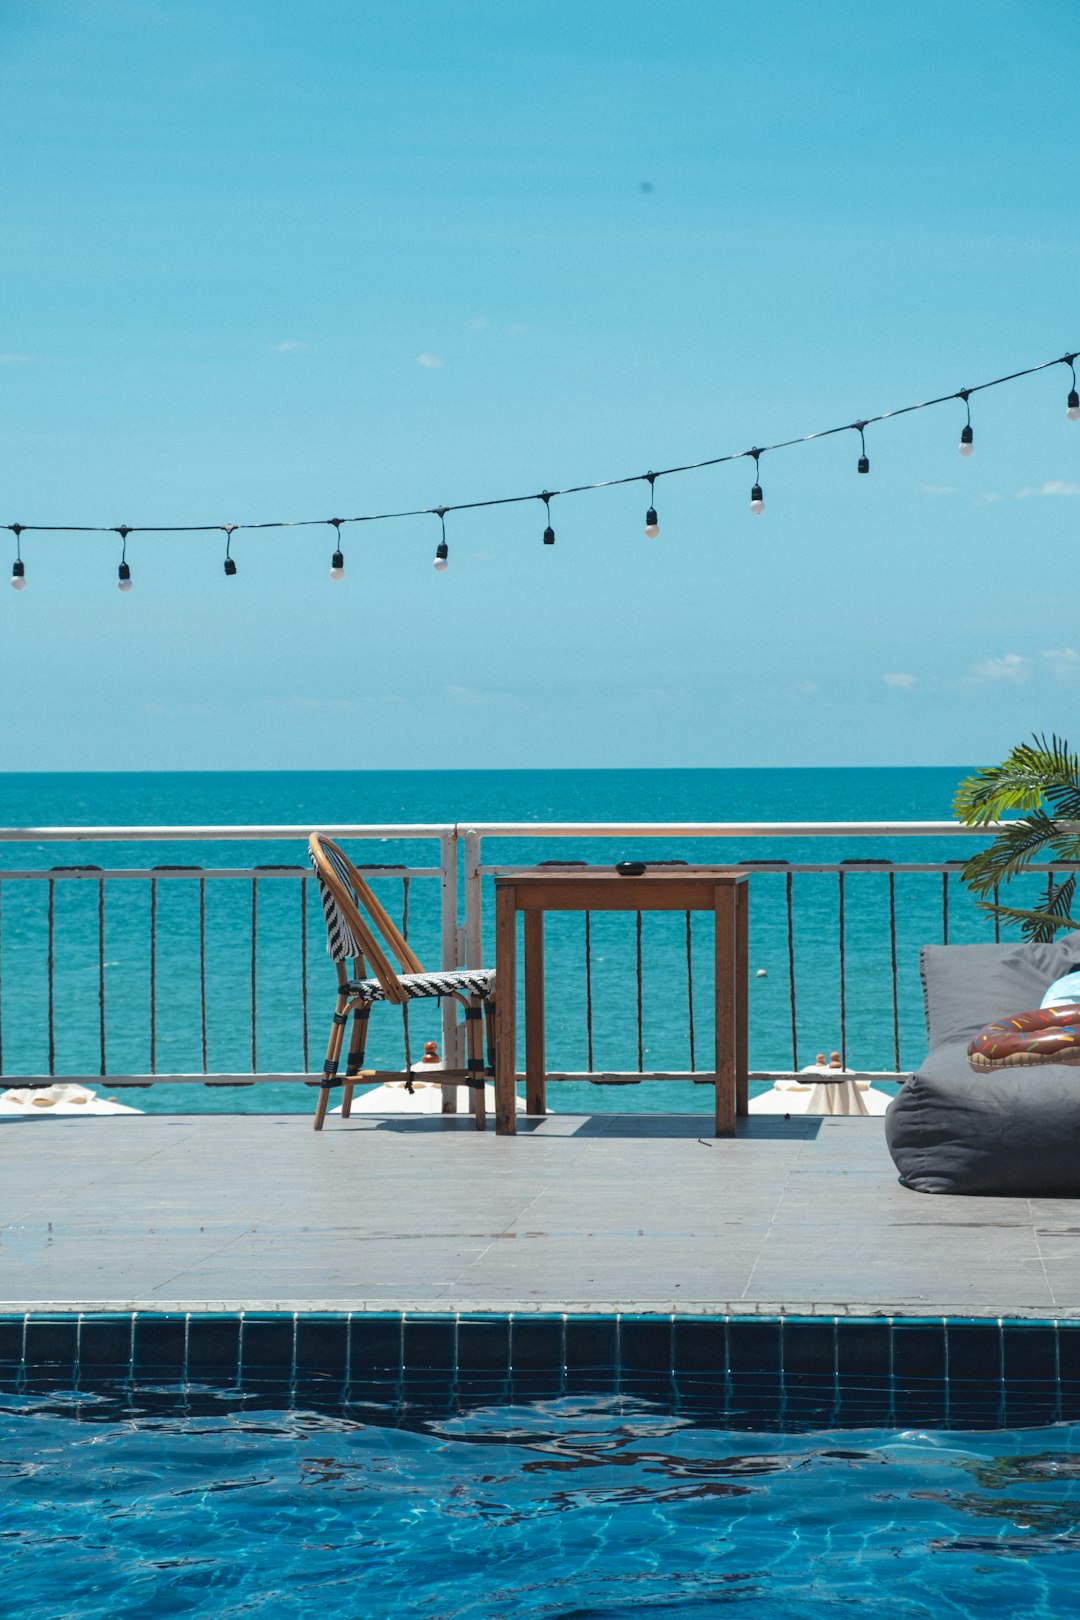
point(834, 1061)
point(431, 1052)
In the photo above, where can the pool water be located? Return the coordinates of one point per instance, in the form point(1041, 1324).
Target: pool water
point(565, 1509)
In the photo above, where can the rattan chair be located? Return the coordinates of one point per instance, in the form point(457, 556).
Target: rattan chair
point(358, 929)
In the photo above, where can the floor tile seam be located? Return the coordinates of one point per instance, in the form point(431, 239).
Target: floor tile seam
point(502, 1233)
point(209, 1257)
point(792, 1170)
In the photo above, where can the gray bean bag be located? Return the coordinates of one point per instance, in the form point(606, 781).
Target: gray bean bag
point(1015, 1131)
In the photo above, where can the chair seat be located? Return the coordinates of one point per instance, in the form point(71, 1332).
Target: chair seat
point(457, 981)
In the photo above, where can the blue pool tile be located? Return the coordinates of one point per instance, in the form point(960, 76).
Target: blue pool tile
point(918, 1351)
point(268, 1346)
point(429, 1344)
point(213, 1346)
point(322, 1344)
point(536, 1345)
point(863, 1349)
point(753, 1345)
point(1069, 1351)
point(1030, 1353)
point(483, 1344)
point(159, 1345)
point(809, 1348)
point(645, 1344)
point(591, 1343)
point(699, 1345)
point(51, 1343)
point(11, 1341)
point(105, 1342)
point(375, 1345)
point(974, 1351)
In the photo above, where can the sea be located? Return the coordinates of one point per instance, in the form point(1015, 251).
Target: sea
point(843, 999)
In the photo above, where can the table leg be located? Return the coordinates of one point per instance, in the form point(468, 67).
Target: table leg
point(725, 1060)
point(505, 1011)
point(742, 975)
point(535, 1063)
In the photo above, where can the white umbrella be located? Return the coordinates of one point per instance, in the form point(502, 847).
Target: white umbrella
point(827, 1089)
point(27, 1102)
point(426, 1097)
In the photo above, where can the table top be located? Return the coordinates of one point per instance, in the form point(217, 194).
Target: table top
point(601, 888)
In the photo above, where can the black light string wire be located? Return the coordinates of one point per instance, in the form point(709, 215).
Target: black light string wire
point(441, 555)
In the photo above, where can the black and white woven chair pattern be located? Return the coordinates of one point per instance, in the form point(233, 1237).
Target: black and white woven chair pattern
point(359, 930)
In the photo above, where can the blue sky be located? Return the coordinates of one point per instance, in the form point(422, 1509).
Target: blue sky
point(272, 261)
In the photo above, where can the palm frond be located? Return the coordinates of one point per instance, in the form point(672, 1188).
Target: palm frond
point(1014, 848)
point(1030, 772)
point(1036, 926)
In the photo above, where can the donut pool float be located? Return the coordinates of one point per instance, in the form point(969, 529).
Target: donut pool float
point(1028, 1039)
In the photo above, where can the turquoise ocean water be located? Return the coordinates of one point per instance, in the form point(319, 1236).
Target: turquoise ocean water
point(312, 799)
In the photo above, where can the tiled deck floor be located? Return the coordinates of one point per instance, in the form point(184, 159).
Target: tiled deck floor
point(575, 1213)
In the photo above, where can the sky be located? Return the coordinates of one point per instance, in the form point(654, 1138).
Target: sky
point(265, 261)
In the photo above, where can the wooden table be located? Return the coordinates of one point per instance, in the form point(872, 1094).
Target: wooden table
point(724, 893)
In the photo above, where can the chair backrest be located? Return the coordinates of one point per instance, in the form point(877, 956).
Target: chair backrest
point(357, 924)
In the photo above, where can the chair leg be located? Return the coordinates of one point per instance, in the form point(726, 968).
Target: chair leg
point(474, 1039)
point(355, 1061)
point(489, 1030)
point(330, 1067)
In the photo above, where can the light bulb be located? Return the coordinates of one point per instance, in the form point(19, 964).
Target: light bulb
point(549, 536)
point(1072, 408)
point(125, 580)
point(864, 464)
point(652, 524)
point(18, 575)
point(230, 566)
point(757, 499)
point(966, 441)
point(442, 557)
point(337, 566)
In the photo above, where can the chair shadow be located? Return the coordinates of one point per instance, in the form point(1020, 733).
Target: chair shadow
point(685, 1127)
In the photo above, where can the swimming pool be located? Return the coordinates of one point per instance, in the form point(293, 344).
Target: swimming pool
point(186, 1500)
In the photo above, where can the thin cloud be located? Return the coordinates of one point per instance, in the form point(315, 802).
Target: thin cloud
point(902, 682)
point(1057, 486)
point(291, 346)
point(431, 361)
point(1064, 661)
point(22, 359)
point(479, 323)
point(1009, 667)
point(988, 498)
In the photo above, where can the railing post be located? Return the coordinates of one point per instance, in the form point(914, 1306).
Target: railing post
point(452, 1033)
point(474, 920)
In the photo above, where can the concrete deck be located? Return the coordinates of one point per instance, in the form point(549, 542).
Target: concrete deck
point(628, 1212)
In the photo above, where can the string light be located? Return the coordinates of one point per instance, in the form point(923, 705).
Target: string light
point(863, 465)
point(549, 532)
point(337, 561)
point(757, 499)
point(230, 562)
point(124, 579)
point(18, 567)
point(442, 550)
point(967, 433)
point(652, 527)
point(652, 522)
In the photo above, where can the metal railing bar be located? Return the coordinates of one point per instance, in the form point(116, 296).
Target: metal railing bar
point(202, 970)
point(843, 975)
point(640, 989)
point(791, 971)
point(203, 834)
point(945, 908)
point(373, 1077)
point(304, 973)
point(895, 981)
point(826, 867)
point(101, 975)
point(690, 990)
point(52, 974)
point(190, 874)
point(588, 989)
point(254, 921)
point(153, 975)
